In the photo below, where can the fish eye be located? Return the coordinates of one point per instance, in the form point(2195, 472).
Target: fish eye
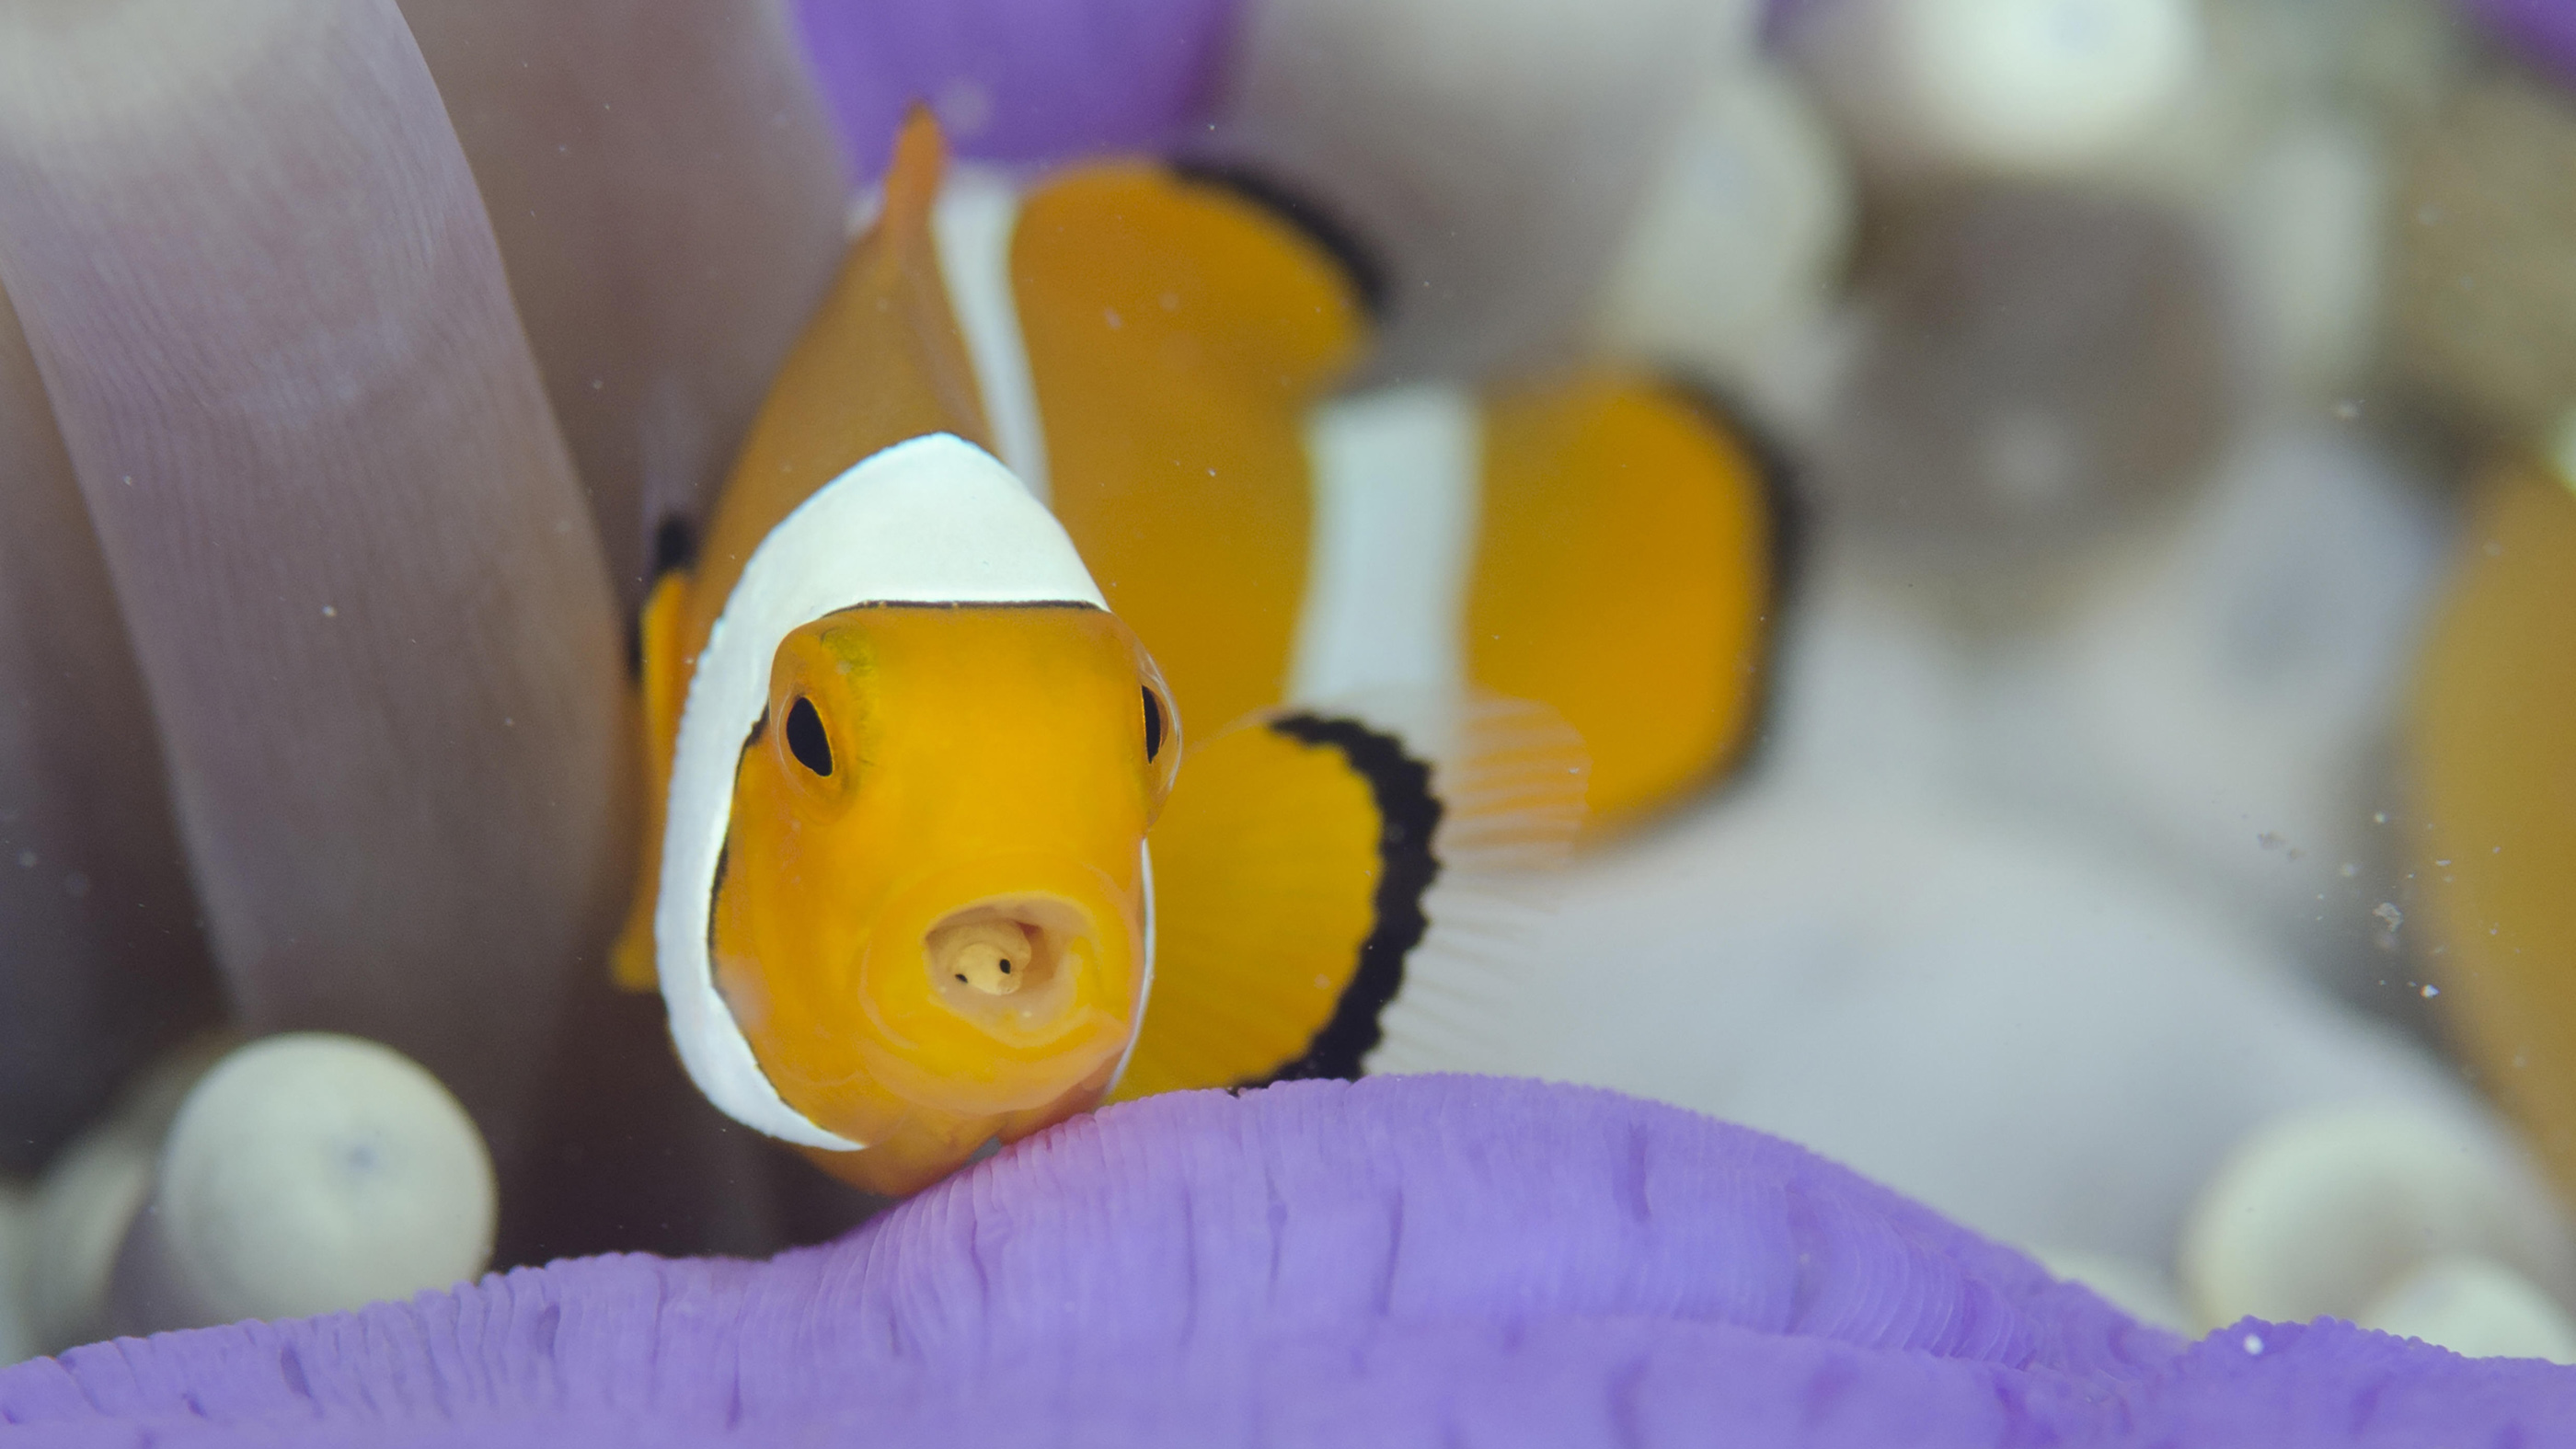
point(1163, 741)
point(805, 737)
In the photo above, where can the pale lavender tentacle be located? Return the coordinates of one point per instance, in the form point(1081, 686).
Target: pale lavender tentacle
point(101, 961)
point(370, 609)
point(669, 201)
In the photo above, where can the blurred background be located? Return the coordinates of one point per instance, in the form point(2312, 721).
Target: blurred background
point(2159, 849)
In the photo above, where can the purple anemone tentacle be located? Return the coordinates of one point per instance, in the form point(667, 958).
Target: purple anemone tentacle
point(1401, 1260)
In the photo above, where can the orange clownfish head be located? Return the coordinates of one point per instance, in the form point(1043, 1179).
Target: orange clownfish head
point(907, 907)
point(931, 921)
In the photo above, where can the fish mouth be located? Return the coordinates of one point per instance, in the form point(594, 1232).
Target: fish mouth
point(1007, 963)
point(1001, 986)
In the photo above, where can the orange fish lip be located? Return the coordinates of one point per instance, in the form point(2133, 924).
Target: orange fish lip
point(1073, 1004)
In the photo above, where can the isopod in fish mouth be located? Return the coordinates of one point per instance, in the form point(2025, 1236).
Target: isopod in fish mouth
point(994, 955)
point(1014, 946)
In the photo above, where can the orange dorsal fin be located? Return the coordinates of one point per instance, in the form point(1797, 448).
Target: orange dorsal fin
point(881, 361)
point(912, 179)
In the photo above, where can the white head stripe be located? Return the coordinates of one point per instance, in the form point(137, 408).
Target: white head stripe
point(932, 520)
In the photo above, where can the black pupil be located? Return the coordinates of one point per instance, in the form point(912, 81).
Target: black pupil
point(1153, 725)
point(805, 738)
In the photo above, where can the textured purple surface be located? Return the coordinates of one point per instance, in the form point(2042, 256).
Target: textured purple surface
point(2545, 30)
point(1019, 80)
point(1405, 1261)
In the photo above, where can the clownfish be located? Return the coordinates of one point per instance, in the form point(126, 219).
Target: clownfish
point(920, 843)
point(1167, 352)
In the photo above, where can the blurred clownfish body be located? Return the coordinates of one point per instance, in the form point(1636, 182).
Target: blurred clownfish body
point(1165, 352)
point(904, 762)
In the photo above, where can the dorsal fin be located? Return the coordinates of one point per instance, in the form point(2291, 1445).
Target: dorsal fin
point(912, 180)
point(881, 361)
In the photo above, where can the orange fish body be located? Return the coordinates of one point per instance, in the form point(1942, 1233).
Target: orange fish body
point(911, 757)
point(904, 761)
point(1164, 350)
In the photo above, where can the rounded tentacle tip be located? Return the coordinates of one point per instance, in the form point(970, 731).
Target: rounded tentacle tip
point(89, 1195)
point(2475, 1307)
point(2335, 1212)
point(308, 1173)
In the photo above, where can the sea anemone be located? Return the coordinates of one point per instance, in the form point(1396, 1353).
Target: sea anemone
point(1406, 1260)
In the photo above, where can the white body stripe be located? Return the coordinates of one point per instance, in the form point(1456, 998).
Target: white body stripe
point(972, 224)
point(1397, 482)
point(931, 520)
point(1397, 478)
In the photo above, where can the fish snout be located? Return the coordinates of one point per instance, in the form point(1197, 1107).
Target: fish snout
point(1000, 948)
point(1005, 1000)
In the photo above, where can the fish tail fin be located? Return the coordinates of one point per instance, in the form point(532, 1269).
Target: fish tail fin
point(1345, 890)
point(1627, 573)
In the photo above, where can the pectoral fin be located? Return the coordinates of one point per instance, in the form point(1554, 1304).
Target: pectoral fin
point(1321, 878)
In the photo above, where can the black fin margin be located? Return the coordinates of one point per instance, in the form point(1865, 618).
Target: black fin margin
point(675, 546)
point(1359, 263)
point(1791, 523)
point(715, 890)
point(1408, 815)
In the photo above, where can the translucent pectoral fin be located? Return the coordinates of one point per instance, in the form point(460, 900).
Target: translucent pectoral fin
point(1335, 895)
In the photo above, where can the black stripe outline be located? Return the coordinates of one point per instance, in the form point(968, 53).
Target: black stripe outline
point(1781, 479)
point(1408, 814)
point(1357, 261)
point(1789, 521)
